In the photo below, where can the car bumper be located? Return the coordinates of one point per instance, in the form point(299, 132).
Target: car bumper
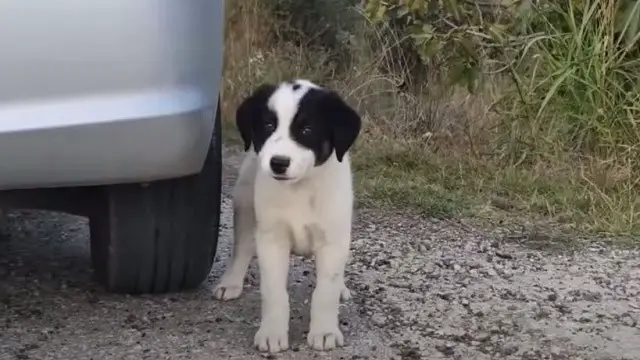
point(169, 141)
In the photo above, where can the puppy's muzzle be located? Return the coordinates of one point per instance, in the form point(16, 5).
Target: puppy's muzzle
point(279, 165)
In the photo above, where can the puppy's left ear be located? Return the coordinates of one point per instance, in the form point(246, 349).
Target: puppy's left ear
point(344, 121)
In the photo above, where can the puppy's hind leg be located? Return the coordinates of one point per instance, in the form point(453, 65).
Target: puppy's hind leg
point(345, 293)
point(244, 249)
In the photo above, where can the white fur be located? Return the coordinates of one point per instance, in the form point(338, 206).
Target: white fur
point(310, 214)
point(284, 102)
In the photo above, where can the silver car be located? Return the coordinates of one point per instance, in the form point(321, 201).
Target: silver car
point(109, 109)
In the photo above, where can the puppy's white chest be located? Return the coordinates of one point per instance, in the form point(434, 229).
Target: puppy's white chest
point(305, 239)
point(304, 225)
point(297, 216)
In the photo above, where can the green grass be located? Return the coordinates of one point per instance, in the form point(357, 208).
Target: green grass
point(393, 174)
point(446, 185)
point(389, 174)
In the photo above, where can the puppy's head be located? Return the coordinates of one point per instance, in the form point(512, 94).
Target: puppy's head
point(296, 126)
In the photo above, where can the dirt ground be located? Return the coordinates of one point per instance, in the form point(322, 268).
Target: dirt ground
point(423, 289)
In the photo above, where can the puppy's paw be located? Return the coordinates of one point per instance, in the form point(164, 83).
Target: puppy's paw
point(325, 339)
point(271, 338)
point(228, 290)
point(345, 294)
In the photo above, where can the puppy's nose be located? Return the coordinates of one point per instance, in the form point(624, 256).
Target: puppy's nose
point(279, 164)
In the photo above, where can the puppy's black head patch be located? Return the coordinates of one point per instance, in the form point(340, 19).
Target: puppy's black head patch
point(325, 123)
point(254, 119)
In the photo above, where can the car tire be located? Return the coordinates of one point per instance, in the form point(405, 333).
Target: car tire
point(162, 236)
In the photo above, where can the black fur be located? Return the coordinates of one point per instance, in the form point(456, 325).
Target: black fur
point(345, 122)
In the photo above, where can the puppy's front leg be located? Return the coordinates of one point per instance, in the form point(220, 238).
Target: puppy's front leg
point(244, 248)
point(324, 332)
point(273, 259)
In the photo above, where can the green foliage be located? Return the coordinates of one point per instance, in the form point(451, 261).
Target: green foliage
point(464, 37)
point(317, 23)
point(580, 80)
point(470, 37)
point(573, 84)
point(575, 64)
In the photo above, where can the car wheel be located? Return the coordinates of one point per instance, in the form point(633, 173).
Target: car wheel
point(160, 237)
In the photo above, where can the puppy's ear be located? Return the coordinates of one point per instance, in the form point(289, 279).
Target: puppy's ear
point(251, 110)
point(344, 121)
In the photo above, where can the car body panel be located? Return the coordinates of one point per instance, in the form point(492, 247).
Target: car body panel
point(107, 91)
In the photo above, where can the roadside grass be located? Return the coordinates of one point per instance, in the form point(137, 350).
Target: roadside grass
point(448, 185)
point(446, 153)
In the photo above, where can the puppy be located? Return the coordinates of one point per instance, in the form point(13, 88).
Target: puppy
point(293, 195)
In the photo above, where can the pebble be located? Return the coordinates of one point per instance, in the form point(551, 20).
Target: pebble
point(379, 319)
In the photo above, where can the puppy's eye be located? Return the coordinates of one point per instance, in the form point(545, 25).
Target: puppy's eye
point(269, 121)
point(307, 130)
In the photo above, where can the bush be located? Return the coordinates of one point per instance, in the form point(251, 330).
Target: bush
point(573, 64)
point(325, 24)
point(535, 102)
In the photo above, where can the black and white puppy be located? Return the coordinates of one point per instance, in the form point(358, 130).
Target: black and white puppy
point(294, 194)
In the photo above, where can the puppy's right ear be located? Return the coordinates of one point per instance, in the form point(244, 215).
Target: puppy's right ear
point(250, 110)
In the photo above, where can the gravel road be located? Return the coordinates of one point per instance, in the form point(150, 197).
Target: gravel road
point(423, 289)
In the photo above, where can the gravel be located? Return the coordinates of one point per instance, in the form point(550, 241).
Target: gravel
point(423, 289)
